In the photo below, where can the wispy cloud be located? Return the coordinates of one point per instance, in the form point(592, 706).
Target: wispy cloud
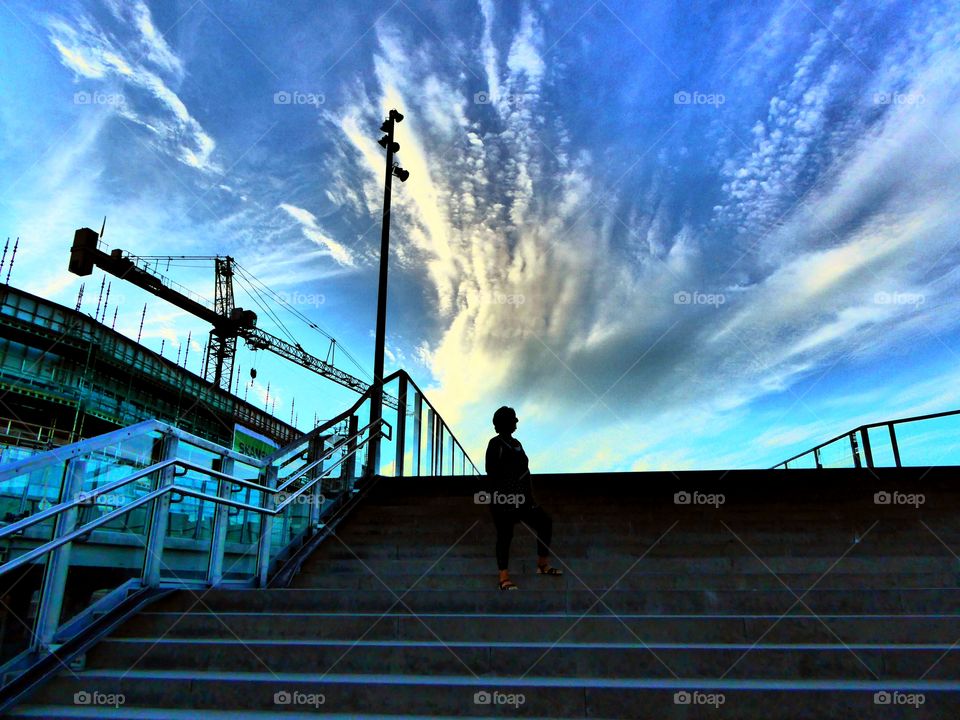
point(540, 301)
point(143, 96)
point(647, 282)
point(311, 230)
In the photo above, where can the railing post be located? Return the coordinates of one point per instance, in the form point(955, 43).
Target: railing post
point(400, 437)
point(55, 573)
point(816, 458)
point(349, 470)
point(440, 446)
point(221, 518)
point(317, 447)
point(431, 440)
point(893, 445)
point(855, 450)
point(417, 432)
point(153, 556)
point(266, 527)
point(867, 453)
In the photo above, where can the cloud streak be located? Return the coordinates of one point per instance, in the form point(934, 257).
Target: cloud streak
point(146, 99)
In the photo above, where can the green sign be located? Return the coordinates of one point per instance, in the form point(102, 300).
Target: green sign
point(250, 442)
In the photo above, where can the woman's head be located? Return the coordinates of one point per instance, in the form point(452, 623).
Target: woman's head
point(505, 419)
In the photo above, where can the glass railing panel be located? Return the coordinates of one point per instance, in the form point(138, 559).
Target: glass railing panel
point(20, 590)
point(335, 476)
point(451, 454)
point(807, 460)
point(295, 517)
point(117, 463)
point(28, 493)
point(96, 568)
point(934, 441)
point(837, 454)
point(880, 446)
point(243, 526)
point(388, 448)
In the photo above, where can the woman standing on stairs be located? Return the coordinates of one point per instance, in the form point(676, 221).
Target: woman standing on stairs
point(511, 496)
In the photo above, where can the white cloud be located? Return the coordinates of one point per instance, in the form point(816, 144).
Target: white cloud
point(146, 99)
point(490, 224)
point(311, 230)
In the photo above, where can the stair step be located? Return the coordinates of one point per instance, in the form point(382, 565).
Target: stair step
point(904, 600)
point(662, 608)
point(522, 627)
point(429, 695)
point(526, 563)
point(365, 580)
point(632, 658)
point(56, 712)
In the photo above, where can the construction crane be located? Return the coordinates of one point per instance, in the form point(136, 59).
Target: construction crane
point(229, 322)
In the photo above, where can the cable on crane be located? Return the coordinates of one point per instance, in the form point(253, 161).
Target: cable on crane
point(305, 319)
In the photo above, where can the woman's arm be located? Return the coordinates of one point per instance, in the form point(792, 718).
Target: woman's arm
point(494, 453)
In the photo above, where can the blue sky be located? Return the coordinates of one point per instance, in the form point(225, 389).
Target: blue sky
point(672, 235)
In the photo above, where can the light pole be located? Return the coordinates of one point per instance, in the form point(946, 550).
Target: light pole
point(376, 397)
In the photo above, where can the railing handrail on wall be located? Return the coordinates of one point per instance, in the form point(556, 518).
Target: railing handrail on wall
point(863, 432)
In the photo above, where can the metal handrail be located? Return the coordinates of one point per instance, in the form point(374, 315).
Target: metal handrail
point(289, 447)
point(277, 495)
point(304, 470)
point(19, 526)
point(86, 529)
point(68, 452)
point(864, 429)
point(147, 426)
point(406, 378)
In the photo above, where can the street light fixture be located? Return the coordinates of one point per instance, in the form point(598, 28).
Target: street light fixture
point(376, 397)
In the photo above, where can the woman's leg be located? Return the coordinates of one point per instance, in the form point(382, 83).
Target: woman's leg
point(542, 524)
point(504, 524)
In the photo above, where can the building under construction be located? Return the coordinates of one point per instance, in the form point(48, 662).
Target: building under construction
point(65, 376)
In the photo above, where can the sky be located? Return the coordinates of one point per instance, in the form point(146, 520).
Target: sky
point(671, 235)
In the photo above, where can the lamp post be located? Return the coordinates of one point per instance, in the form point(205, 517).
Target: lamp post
point(376, 398)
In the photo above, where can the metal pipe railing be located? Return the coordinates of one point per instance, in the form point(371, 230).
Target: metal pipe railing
point(864, 433)
point(277, 496)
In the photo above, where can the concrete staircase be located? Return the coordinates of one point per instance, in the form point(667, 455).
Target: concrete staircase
point(799, 600)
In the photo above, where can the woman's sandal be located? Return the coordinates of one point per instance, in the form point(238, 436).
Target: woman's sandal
point(547, 570)
point(507, 585)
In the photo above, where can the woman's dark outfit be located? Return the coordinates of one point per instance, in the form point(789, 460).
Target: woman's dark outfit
point(509, 472)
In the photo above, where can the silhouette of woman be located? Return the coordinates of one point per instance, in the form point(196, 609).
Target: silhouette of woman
point(511, 496)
